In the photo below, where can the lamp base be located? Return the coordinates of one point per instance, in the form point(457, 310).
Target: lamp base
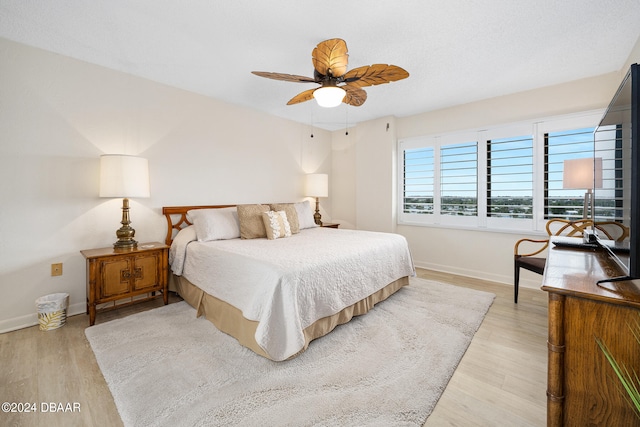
point(125, 233)
point(316, 216)
point(588, 204)
point(125, 238)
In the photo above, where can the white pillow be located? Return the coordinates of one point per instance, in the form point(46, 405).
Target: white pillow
point(178, 248)
point(276, 224)
point(305, 215)
point(215, 224)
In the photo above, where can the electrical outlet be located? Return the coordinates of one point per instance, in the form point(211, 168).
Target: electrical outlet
point(56, 269)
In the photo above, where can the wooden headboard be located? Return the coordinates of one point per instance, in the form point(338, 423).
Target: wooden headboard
point(177, 218)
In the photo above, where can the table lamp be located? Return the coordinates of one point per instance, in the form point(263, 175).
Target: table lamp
point(124, 176)
point(584, 174)
point(317, 185)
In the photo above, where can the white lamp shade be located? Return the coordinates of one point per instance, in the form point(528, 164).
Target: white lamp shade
point(582, 173)
point(317, 185)
point(329, 96)
point(124, 176)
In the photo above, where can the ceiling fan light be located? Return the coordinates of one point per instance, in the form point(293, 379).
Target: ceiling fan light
point(329, 96)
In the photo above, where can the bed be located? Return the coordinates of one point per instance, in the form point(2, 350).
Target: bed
point(277, 294)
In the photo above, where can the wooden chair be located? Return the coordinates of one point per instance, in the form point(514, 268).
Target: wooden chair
point(613, 230)
point(557, 227)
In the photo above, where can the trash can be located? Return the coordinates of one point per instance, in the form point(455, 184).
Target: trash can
point(52, 310)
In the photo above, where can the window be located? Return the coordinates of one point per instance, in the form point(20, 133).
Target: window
point(459, 179)
point(418, 180)
point(508, 177)
point(558, 147)
point(439, 181)
point(613, 199)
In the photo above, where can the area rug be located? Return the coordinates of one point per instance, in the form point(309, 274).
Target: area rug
point(165, 367)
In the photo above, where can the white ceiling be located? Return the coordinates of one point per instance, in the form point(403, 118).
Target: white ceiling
point(456, 51)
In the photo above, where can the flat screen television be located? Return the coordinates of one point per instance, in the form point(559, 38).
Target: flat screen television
point(617, 140)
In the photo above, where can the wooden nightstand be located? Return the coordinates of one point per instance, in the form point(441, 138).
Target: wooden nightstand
point(328, 225)
point(116, 274)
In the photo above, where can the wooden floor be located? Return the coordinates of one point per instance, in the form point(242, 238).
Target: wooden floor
point(501, 380)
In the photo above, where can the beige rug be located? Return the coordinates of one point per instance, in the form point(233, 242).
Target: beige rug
point(389, 367)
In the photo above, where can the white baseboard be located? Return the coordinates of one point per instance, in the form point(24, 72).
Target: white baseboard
point(81, 308)
point(32, 319)
point(499, 278)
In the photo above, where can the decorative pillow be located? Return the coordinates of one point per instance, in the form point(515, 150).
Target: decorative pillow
point(292, 215)
point(276, 224)
point(215, 224)
point(251, 224)
point(305, 215)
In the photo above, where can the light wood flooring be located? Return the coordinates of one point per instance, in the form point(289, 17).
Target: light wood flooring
point(501, 380)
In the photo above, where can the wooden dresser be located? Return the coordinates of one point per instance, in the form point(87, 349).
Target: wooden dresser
point(582, 388)
point(117, 274)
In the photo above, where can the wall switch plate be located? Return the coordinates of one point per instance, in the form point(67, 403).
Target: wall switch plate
point(56, 269)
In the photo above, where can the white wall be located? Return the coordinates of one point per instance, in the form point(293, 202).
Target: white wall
point(58, 115)
point(375, 175)
point(364, 176)
point(487, 255)
point(343, 177)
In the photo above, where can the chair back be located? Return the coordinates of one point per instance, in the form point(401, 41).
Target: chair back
point(611, 230)
point(563, 227)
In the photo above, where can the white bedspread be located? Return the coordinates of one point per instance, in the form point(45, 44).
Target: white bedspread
point(288, 284)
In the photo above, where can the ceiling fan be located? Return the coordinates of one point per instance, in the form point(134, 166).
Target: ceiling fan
point(330, 59)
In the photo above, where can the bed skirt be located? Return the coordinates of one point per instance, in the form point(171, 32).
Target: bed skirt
point(230, 320)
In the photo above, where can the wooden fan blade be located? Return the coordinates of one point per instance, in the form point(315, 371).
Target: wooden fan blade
point(302, 97)
point(376, 74)
point(330, 57)
point(284, 77)
point(355, 96)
